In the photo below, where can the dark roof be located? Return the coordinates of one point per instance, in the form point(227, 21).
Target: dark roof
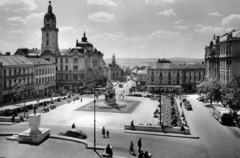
point(15, 60)
point(39, 61)
point(28, 52)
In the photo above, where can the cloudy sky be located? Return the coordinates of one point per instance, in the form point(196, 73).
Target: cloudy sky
point(127, 28)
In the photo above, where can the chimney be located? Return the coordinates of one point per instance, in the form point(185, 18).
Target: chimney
point(8, 53)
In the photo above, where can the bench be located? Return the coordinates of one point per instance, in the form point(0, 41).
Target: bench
point(159, 129)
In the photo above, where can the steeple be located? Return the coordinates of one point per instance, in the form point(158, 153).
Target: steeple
point(49, 7)
point(84, 39)
point(113, 59)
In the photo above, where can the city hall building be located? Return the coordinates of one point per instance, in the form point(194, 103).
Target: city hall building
point(76, 68)
point(168, 77)
point(222, 57)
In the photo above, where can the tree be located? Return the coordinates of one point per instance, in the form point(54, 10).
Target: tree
point(233, 94)
point(213, 90)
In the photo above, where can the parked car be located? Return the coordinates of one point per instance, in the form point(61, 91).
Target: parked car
point(201, 98)
point(75, 133)
point(188, 106)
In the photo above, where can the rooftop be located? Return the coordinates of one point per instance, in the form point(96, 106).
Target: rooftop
point(15, 60)
point(39, 61)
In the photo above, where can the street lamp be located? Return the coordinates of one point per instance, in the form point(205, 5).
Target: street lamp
point(94, 109)
point(160, 106)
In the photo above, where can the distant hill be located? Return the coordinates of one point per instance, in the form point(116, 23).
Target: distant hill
point(131, 62)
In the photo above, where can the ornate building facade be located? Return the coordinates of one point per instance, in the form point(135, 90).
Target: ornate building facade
point(222, 57)
point(169, 77)
point(116, 72)
point(77, 67)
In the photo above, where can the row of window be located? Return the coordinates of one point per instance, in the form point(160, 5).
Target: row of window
point(44, 71)
point(10, 82)
point(45, 80)
point(67, 77)
point(170, 81)
point(17, 71)
point(178, 74)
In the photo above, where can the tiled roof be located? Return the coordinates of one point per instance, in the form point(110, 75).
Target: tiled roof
point(15, 60)
point(39, 61)
point(234, 34)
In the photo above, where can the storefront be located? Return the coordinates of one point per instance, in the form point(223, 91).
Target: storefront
point(164, 88)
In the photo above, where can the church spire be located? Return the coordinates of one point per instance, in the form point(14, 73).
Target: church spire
point(49, 7)
point(84, 39)
point(113, 59)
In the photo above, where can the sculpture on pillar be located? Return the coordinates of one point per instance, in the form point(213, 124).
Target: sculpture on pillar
point(110, 95)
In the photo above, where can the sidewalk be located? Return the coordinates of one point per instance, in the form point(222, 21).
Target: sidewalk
point(21, 104)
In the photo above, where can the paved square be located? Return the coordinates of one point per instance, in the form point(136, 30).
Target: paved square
point(67, 115)
point(131, 105)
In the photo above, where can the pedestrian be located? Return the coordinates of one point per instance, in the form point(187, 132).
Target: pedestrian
point(103, 132)
point(107, 134)
point(139, 144)
point(81, 99)
point(73, 126)
point(146, 155)
point(132, 148)
point(141, 154)
point(109, 151)
point(13, 118)
point(132, 125)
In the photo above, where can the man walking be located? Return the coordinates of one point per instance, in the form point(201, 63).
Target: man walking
point(139, 144)
point(103, 132)
point(107, 133)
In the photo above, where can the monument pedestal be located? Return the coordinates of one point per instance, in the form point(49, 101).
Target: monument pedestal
point(34, 135)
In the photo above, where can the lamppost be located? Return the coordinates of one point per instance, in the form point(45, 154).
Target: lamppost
point(94, 109)
point(160, 107)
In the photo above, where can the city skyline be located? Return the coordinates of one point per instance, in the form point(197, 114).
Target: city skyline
point(132, 29)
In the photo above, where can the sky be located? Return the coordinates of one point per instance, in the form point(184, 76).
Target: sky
point(126, 28)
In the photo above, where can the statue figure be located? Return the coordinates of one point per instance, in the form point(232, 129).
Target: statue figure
point(34, 110)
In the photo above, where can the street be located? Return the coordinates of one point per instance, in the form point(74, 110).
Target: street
point(217, 139)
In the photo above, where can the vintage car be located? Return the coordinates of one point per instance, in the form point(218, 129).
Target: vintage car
point(75, 133)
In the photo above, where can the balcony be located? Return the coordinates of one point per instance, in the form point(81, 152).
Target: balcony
point(18, 75)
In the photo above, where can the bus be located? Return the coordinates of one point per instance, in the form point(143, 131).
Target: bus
point(223, 115)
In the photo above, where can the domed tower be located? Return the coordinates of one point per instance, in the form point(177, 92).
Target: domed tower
point(50, 34)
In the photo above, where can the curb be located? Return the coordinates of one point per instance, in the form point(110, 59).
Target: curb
point(88, 144)
point(162, 134)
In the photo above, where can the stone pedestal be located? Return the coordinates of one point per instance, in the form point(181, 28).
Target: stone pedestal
point(34, 135)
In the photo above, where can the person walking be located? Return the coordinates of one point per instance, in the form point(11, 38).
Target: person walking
point(146, 155)
point(107, 133)
point(139, 144)
point(81, 99)
point(73, 126)
point(141, 154)
point(103, 132)
point(132, 148)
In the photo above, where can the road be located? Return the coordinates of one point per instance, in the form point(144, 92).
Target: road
point(217, 139)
